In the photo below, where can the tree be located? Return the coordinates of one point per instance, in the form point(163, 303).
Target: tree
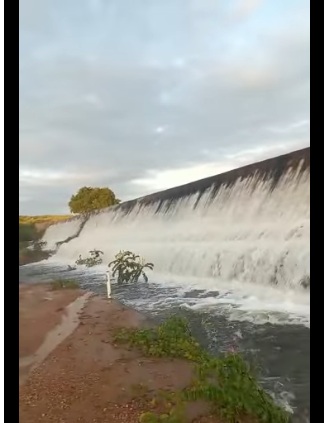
point(89, 199)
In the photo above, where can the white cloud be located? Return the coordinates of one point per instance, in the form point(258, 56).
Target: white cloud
point(298, 125)
point(243, 8)
point(159, 95)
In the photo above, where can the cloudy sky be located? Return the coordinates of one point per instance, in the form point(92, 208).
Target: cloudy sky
point(148, 94)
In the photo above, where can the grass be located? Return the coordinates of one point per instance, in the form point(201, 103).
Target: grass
point(32, 220)
point(227, 382)
point(64, 284)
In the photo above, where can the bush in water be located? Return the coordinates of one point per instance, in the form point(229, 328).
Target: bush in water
point(129, 267)
point(93, 260)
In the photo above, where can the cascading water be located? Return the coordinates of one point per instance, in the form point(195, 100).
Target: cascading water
point(245, 234)
point(234, 246)
point(62, 232)
point(250, 238)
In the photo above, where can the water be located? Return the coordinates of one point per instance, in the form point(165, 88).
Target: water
point(243, 234)
point(280, 347)
point(234, 258)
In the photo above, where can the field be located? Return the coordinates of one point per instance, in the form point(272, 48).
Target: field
point(47, 218)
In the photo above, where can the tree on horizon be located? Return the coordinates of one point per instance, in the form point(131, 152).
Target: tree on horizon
point(89, 199)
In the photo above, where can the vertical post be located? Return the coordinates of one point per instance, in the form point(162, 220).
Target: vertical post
point(108, 283)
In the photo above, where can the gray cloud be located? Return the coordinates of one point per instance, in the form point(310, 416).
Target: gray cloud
point(90, 113)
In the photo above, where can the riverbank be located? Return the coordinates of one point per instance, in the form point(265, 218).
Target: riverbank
point(86, 378)
point(27, 256)
point(72, 369)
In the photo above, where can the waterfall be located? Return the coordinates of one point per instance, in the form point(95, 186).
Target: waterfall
point(247, 226)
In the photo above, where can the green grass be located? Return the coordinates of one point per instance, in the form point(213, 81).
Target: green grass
point(227, 382)
point(64, 284)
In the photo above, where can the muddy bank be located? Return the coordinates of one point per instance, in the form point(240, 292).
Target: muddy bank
point(83, 376)
point(72, 369)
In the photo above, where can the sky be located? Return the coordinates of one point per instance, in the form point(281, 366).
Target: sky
point(144, 95)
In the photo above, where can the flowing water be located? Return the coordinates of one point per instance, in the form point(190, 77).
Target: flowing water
point(233, 259)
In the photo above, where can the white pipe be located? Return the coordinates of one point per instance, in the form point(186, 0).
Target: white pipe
point(108, 284)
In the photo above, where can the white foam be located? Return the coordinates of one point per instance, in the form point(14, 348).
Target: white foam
point(60, 232)
point(248, 240)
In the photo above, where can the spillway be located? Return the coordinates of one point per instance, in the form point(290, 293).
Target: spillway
point(246, 226)
point(231, 254)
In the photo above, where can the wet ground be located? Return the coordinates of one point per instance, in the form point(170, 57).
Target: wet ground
point(280, 351)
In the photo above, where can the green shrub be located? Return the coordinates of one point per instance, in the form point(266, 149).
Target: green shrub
point(129, 267)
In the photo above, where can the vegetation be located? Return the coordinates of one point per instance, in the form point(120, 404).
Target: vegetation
point(31, 249)
point(89, 199)
point(64, 284)
point(227, 382)
point(27, 232)
point(48, 218)
point(93, 260)
point(129, 267)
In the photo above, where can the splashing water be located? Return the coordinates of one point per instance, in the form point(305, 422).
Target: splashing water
point(249, 240)
point(231, 253)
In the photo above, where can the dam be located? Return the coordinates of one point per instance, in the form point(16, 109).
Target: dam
point(246, 226)
point(231, 254)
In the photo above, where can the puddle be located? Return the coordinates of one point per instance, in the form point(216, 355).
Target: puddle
point(70, 321)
